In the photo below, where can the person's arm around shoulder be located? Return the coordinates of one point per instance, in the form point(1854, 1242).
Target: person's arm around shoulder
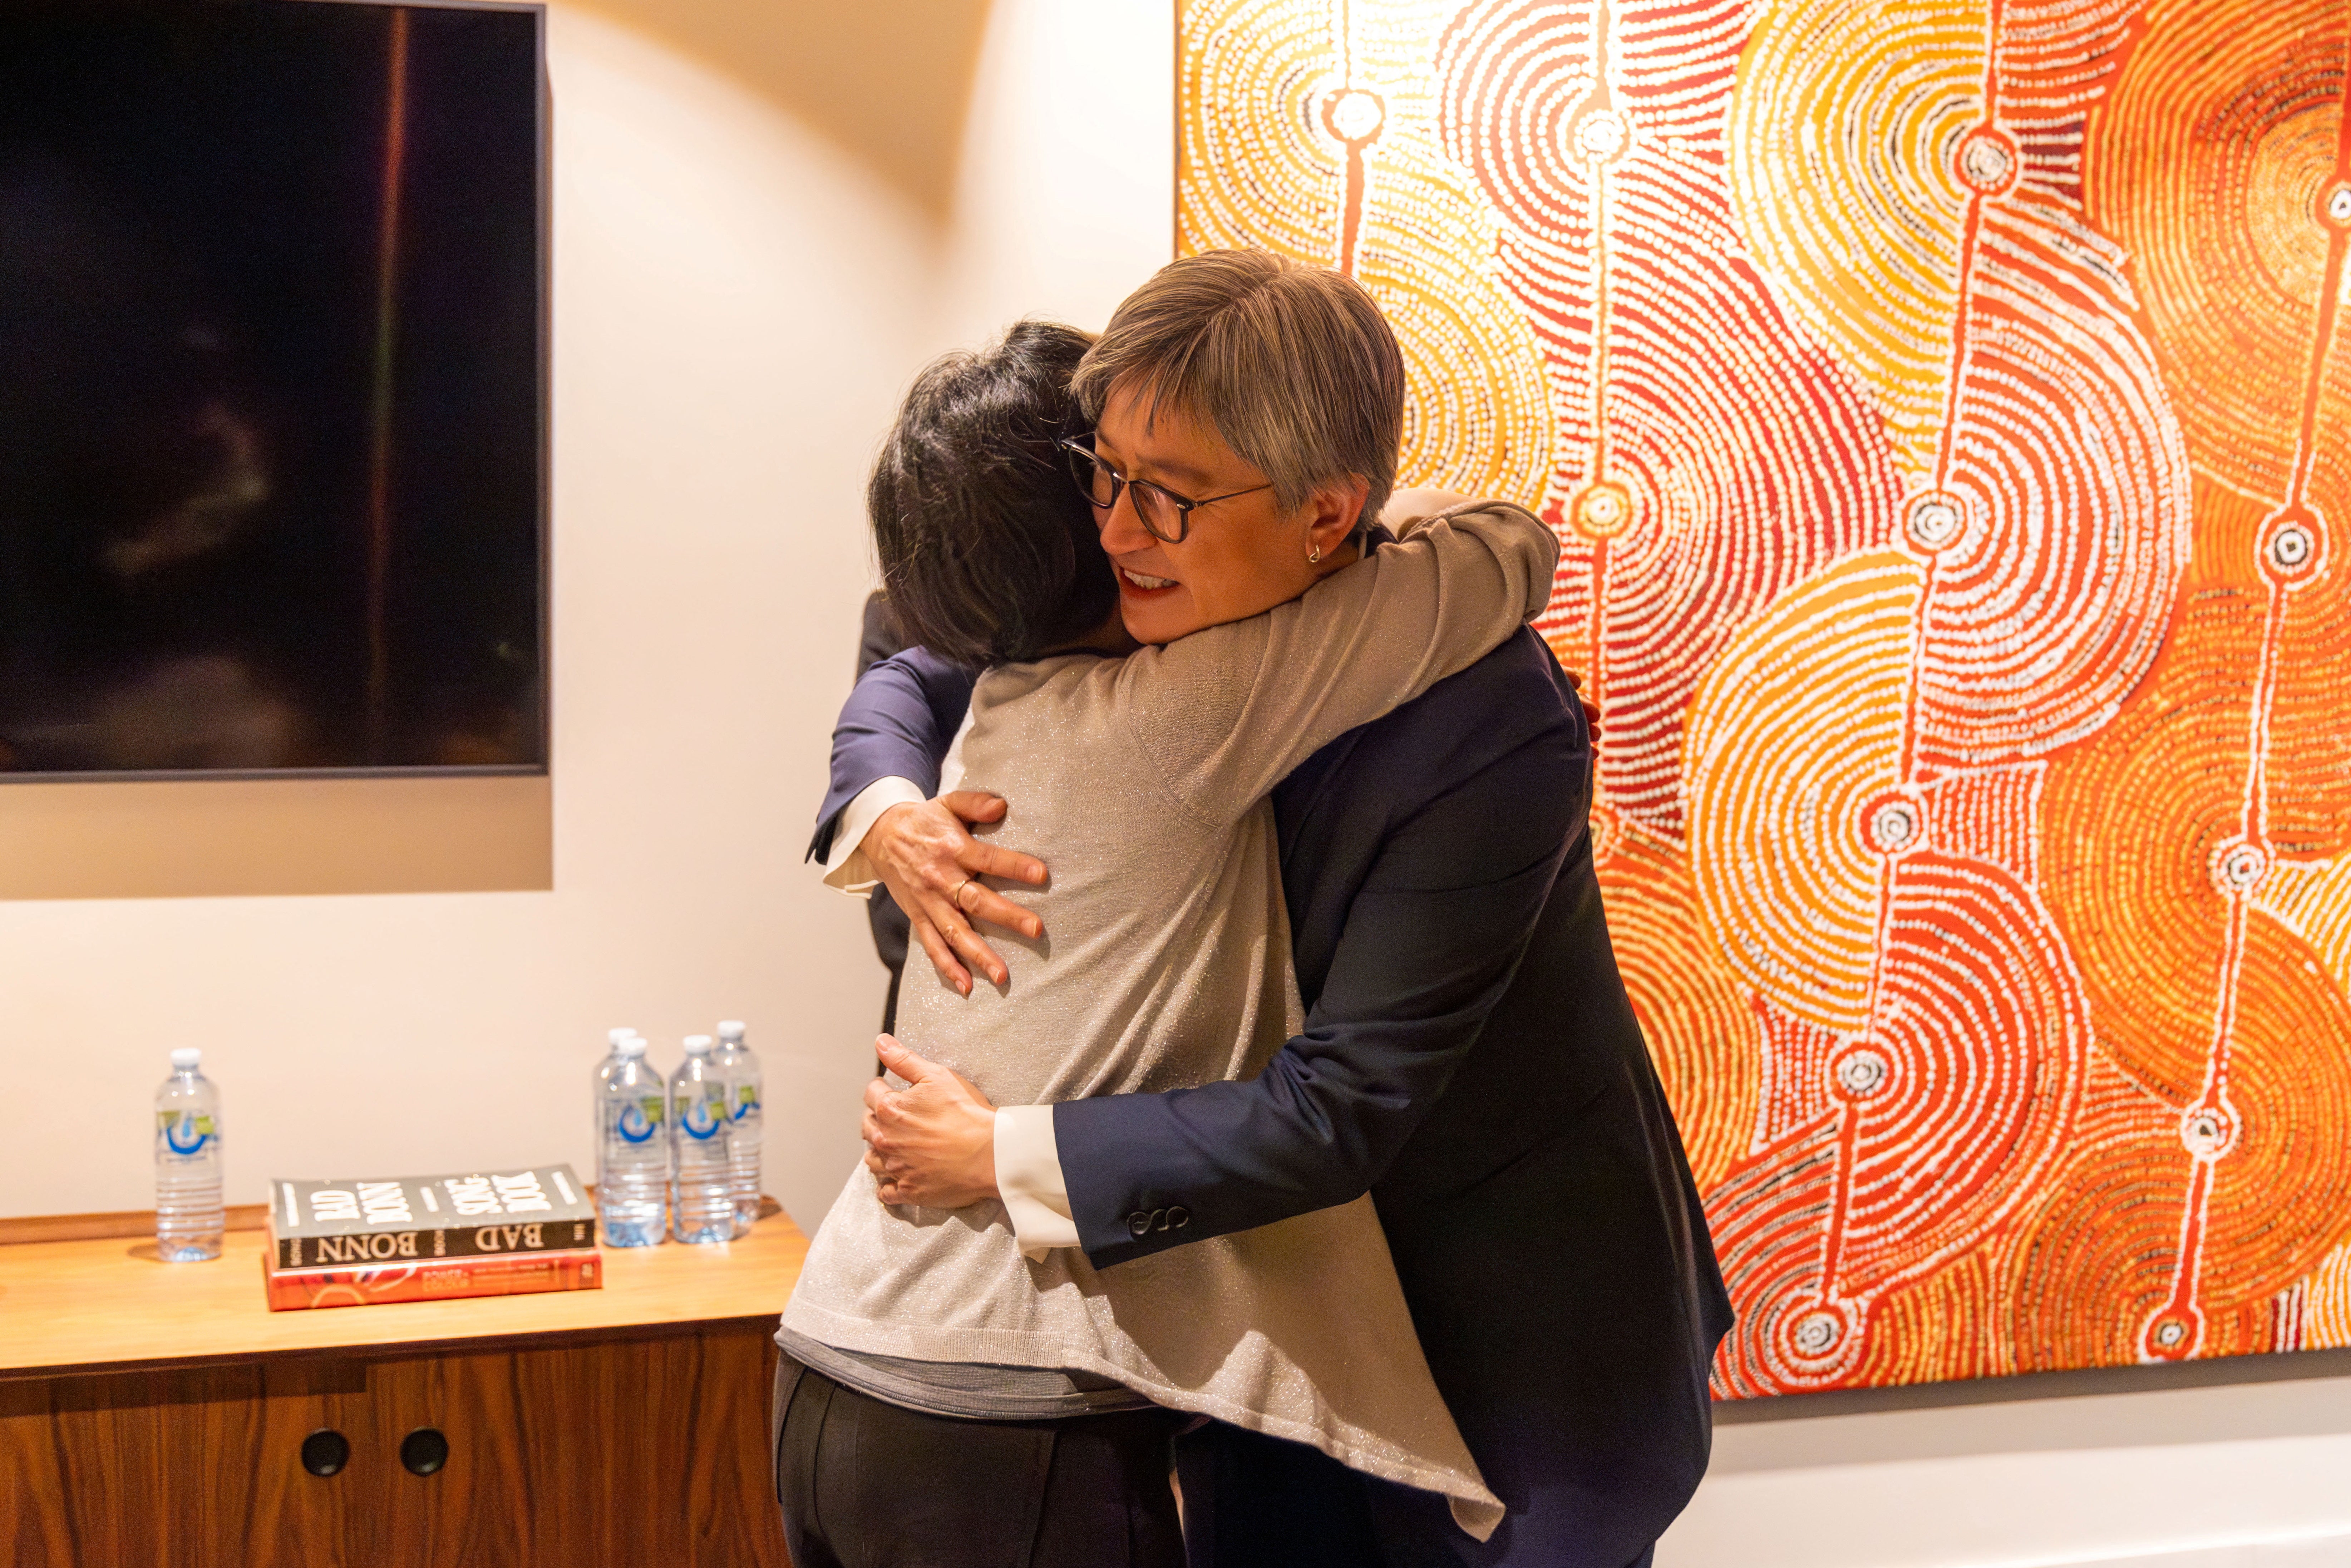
point(1431, 940)
point(1229, 711)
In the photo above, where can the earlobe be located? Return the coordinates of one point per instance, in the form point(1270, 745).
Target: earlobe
point(1338, 513)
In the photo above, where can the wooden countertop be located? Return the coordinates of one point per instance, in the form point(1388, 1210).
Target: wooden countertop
point(111, 1306)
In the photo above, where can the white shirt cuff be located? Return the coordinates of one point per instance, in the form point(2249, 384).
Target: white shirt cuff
point(1028, 1180)
point(846, 867)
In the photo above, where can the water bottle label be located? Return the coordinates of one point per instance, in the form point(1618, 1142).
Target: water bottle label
point(638, 1120)
point(747, 1102)
point(702, 1118)
point(184, 1134)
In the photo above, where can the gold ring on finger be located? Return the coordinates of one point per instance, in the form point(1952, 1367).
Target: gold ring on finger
point(957, 899)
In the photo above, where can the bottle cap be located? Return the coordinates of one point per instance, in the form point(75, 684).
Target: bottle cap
point(185, 1059)
point(631, 1047)
point(617, 1035)
point(731, 1032)
point(697, 1045)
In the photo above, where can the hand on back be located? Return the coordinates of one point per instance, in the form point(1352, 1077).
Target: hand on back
point(929, 860)
point(933, 1143)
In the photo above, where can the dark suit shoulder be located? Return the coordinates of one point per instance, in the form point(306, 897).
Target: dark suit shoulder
point(878, 637)
point(1513, 696)
point(1516, 700)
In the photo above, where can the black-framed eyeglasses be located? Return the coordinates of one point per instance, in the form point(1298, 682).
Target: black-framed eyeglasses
point(1164, 515)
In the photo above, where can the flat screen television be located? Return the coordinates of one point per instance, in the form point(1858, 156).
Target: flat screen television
point(272, 388)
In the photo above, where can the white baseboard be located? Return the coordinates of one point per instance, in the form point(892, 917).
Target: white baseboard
point(2309, 1551)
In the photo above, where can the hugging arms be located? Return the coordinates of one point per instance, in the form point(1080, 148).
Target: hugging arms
point(1467, 1053)
point(1427, 845)
point(1468, 1056)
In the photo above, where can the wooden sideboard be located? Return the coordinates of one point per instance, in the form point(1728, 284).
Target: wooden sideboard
point(156, 1414)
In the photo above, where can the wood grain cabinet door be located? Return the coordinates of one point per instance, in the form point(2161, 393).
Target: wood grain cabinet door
point(168, 1468)
point(623, 1452)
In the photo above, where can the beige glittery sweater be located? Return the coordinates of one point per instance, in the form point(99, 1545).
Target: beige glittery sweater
point(1142, 782)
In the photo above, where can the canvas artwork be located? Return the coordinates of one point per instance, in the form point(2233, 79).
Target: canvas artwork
point(1942, 407)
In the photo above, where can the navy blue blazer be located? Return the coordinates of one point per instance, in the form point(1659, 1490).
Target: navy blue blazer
point(1469, 1058)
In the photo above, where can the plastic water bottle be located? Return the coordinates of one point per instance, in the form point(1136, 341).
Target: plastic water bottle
point(613, 1039)
point(701, 1204)
point(631, 1148)
point(739, 1066)
point(612, 1036)
point(189, 1217)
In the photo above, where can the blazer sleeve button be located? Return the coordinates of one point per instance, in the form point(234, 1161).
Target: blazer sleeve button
point(1138, 1225)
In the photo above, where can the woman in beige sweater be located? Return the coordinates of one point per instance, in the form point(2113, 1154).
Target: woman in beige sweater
point(1145, 775)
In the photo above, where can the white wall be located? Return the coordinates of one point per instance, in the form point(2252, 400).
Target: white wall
point(2246, 1476)
point(1066, 197)
point(750, 262)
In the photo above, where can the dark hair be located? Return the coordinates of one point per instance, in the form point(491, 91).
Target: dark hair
point(989, 554)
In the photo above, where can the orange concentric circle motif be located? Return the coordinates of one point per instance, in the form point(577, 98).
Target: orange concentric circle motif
point(1941, 408)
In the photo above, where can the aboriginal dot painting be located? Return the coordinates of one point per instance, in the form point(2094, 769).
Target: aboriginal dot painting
point(1941, 405)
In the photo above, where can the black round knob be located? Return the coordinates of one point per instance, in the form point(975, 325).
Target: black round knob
point(326, 1451)
point(423, 1451)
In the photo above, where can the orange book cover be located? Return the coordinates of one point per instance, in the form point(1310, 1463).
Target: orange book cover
point(294, 1290)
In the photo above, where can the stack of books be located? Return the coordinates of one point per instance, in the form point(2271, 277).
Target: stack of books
point(425, 1238)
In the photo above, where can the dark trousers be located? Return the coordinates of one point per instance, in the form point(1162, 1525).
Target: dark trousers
point(867, 1484)
point(1255, 1501)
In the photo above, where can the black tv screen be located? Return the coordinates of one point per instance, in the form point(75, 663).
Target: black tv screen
point(271, 387)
